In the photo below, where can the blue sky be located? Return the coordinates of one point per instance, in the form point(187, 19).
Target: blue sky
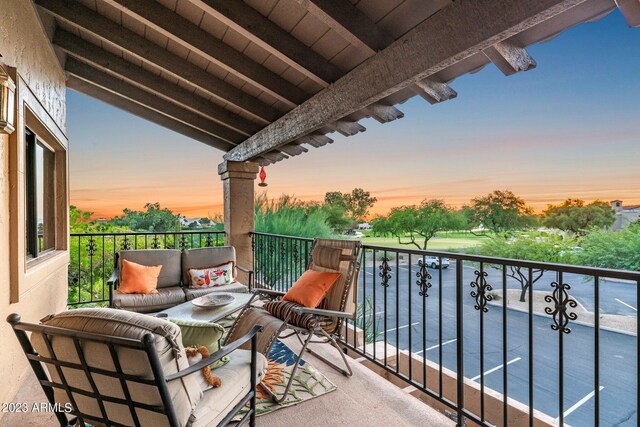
point(569, 128)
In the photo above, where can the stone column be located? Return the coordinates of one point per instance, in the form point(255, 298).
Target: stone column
point(238, 183)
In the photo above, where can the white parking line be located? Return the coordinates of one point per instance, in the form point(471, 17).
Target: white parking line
point(580, 402)
point(477, 377)
point(436, 346)
point(624, 303)
point(402, 327)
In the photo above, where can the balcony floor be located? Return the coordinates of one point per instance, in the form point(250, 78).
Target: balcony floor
point(365, 399)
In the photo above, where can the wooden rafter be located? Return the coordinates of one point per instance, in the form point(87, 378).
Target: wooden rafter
point(117, 101)
point(631, 11)
point(113, 64)
point(108, 31)
point(251, 24)
point(456, 32)
point(509, 57)
point(350, 23)
point(135, 94)
point(434, 91)
point(189, 35)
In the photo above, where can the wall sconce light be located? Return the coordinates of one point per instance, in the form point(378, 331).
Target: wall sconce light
point(7, 101)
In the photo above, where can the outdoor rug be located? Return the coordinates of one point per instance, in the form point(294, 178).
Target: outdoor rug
point(307, 384)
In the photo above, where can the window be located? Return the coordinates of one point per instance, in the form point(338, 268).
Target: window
point(40, 197)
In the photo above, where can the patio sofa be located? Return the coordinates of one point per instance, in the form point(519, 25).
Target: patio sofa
point(173, 282)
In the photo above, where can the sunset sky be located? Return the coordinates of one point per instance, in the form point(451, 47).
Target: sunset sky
point(569, 128)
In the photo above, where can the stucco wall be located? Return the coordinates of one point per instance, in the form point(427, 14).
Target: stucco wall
point(24, 45)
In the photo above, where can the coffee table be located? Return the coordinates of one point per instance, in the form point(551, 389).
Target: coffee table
point(188, 311)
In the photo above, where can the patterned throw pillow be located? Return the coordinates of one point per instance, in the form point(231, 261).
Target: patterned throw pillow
point(208, 277)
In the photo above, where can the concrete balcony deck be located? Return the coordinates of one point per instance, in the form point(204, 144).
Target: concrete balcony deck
point(365, 399)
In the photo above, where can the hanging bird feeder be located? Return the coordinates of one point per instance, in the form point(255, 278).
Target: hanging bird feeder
point(263, 176)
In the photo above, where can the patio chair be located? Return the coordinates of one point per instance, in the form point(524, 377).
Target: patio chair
point(111, 367)
point(325, 322)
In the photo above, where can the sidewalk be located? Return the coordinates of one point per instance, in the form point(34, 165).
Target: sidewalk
point(613, 322)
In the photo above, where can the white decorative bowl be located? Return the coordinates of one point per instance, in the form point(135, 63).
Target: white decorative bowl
point(213, 300)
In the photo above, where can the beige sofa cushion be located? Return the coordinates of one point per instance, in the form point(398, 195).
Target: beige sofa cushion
point(236, 382)
point(232, 287)
point(185, 393)
point(169, 259)
point(149, 303)
point(206, 257)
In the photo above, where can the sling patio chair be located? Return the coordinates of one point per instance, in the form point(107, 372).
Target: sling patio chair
point(109, 367)
point(283, 319)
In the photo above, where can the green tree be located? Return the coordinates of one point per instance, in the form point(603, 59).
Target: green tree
point(290, 217)
point(287, 216)
point(80, 221)
point(205, 222)
point(576, 217)
point(335, 198)
point(620, 250)
point(336, 215)
point(550, 249)
point(154, 219)
point(356, 204)
point(411, 224)
point(501, 212)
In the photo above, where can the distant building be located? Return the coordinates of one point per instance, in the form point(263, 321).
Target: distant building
point(364, 226)
point(102, 220)
point(625, 215)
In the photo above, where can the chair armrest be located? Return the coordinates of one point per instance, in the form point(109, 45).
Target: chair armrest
point(246, 270)
point(216, 356)
point(249, 272)
point(321, 312)
point(271, 294)
point(111, 281)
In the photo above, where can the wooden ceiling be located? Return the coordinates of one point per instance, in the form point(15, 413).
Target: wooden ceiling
point(264, 80)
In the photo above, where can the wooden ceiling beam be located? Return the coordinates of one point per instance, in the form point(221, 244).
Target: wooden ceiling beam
point(113, 64)
point(457, 32)
point(108, 31)
point(434, 91)
point(316, 140)
point(631, 11)
point(251, 24)
point(348, 127)
point(274, 156)
point(350, 23)
point(510, 58)
point(126, 90)
point(293, 149)
point(384, 113)
point(192, 37)
point(136, 109)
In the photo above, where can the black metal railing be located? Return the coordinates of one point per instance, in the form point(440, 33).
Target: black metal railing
point(278, 260)
point(494, 341)
point(92, 258)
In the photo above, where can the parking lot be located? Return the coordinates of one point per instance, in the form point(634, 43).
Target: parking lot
point(417, 327)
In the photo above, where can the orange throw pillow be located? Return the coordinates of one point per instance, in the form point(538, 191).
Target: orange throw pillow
point(311, 288)
point(139, 279)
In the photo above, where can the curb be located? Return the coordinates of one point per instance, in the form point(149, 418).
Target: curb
point(577, 322)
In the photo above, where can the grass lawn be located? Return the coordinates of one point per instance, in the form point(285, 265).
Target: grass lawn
point(438, 243)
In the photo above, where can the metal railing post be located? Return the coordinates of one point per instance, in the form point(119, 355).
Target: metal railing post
point(459, 344)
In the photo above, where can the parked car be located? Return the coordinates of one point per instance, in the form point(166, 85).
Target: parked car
point(434, 261)
point(354, 235)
